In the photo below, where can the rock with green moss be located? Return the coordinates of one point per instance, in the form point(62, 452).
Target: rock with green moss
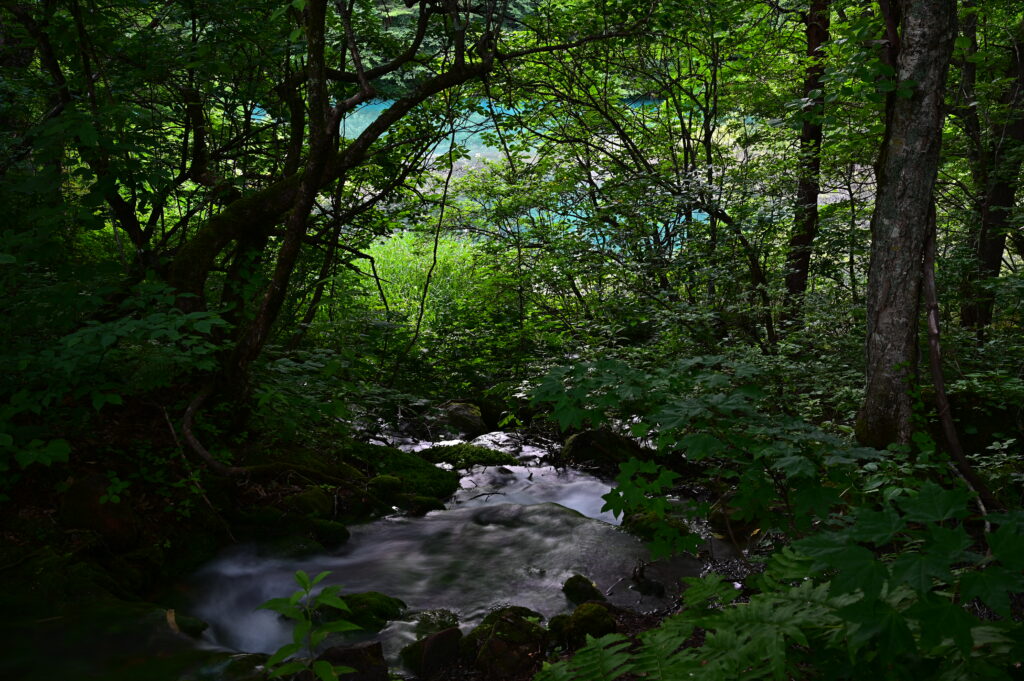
point(432, 621)
point(188, 625)
point(419, 476)
point(558, 630)
point(508, 642)
point(372, 610)
point(600, 449)
point(464, 418)
point(385, 486)
point(578, 589)
point(465, 455)
point(313, 501)
point(329, 533)
point(590, 619)
point(434, 653)
point(418, 505)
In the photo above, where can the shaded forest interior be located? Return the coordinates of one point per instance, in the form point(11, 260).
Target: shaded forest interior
point(770, 251)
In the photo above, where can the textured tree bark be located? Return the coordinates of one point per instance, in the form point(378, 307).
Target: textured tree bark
point(906, 171)
point(805, 218)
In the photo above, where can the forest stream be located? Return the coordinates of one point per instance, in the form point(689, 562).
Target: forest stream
point(511, 535)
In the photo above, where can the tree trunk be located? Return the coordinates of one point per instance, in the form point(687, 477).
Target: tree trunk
point(995, 167)
point(906, 171)
point(805, 214)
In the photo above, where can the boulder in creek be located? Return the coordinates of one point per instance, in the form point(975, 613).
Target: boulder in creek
point(464, 418)
point(372, 610)
point(508, 642)
point(366, 658)
point(578, 589)
point(600, 449)
point(434, 653)
point(590, 619)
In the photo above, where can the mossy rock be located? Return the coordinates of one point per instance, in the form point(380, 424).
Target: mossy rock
point(465, 418)
point(372, 610)
point(578, 589)
point(465, 455)
point(417, 505)
point(600, 449)
point(509, 642)
point(434, 653)
point(367, 659)
point(419, 477)
point(314, 501)
point(590, 619)
point(188, 625)
point(558, 629)
point(385, 486)
point(329, 533)
point(432, 621)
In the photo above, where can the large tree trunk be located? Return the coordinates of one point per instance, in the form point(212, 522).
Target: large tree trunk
point(805, 214)
point(906, 170)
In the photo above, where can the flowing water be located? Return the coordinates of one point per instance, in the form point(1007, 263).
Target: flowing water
point(511, 535)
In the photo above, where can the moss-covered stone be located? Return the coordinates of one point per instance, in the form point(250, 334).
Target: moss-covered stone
point(419, 505)
point(432, 621)
point(366, 658)
point(578, 589)
point(188, 625)
point(600, 449)
point(509, 642)
point(372, 610)
point(590, 619)
point(385, 486)
point(464, 418)
point(329, 533)
point(558, 629)
point(434, 653)
point(313, 501)
point(465, 455)
point(419, 477)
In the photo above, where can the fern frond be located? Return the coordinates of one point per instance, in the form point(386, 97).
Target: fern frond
point(602, 659)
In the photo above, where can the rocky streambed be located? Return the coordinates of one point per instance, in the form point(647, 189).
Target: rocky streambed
point(494, 560)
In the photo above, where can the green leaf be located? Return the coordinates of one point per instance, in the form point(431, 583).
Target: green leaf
point(917, 570)
point(289, 668)
point(54, 451)
point(877, 527)
point(320, 577)
point(301, 630)
point(796, 466)
point(701, 445)
point(324, 671)
point(1008, 547)
point(283, 653)
point(858, 569)
point(333, 601)
point(338, 626)
point(939, 619)
point(934, 504)
point(302, 579)
point(993, 586)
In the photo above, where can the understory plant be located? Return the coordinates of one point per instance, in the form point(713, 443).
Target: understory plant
point(304, 607)
point(892, 569)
